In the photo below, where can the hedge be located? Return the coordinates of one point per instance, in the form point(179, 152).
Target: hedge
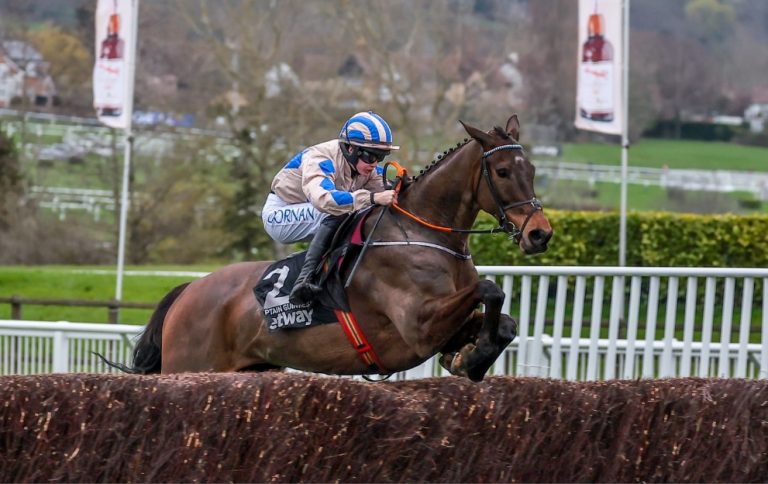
point(692, 130)
point(283, 427)
point(653, 239)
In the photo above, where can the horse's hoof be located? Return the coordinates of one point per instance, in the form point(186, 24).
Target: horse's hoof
point(446, 359)
point(459, 362)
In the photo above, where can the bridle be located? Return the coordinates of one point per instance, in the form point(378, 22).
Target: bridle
point(505, 224)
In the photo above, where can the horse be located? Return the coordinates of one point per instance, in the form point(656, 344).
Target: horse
point(415, 292)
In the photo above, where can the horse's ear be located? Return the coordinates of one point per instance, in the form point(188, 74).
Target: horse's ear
point(513, 127)
point(483, 138)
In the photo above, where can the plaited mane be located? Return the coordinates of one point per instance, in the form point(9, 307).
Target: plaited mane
point(497, 130)
point(440, 158)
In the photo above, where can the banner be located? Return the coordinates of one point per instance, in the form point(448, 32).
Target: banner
point(115, 57)
point(599, 96)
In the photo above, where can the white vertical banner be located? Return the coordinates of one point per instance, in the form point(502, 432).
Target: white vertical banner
point(113, 77)
point(115, 58)
point(599, 105)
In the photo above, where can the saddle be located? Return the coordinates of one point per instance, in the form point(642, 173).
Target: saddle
point(275, 286)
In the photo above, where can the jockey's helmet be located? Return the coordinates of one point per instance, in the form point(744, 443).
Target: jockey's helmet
point(367, 130)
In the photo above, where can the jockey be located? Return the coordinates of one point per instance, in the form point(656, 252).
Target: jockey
point(313, 192)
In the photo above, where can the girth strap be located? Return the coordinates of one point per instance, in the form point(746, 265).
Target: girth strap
point(457, 255)
point(358, 340)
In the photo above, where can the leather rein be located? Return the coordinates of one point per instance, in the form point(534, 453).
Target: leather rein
point(505, 225)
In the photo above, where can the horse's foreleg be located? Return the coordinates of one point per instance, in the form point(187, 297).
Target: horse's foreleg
point(496, 332)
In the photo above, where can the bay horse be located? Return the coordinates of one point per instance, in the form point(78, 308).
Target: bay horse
point(415, 292)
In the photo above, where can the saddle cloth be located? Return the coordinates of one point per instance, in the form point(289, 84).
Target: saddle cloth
point(273, 289)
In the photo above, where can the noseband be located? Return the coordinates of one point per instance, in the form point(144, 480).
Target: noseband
point(504, 223)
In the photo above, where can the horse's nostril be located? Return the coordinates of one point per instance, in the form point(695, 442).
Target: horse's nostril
point(539, 237)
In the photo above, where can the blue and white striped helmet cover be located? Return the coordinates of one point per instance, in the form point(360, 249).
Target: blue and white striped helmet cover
point(367, 129)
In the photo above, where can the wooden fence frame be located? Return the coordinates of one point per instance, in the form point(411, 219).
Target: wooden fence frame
point(113, 306)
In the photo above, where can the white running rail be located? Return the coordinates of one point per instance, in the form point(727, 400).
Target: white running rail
point(30, 347)
point(705, 180)
point(575, 323)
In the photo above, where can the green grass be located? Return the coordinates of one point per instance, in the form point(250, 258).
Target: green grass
point(94, 173)
point(606, 196)
point(55, 282)
point(679, 154)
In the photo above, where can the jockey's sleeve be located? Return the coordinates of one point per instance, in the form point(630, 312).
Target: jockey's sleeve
point(324, 185)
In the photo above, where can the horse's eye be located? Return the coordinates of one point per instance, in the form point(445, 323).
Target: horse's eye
point(502, 172)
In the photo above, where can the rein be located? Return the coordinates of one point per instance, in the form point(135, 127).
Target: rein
point(505, 225)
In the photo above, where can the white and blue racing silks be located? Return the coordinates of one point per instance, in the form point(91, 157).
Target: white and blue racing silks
point(322, 176)
point(295, 162)
point(341, 197)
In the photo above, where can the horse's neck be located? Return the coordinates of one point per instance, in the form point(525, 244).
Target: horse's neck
point(445, 194)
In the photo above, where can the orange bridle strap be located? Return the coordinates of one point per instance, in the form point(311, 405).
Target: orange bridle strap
point(420, 220)
point(400, 175)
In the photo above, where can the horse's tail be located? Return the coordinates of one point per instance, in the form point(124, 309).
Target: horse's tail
point(148, 350)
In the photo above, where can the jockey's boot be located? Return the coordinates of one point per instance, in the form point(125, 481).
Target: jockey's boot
point(304, 289)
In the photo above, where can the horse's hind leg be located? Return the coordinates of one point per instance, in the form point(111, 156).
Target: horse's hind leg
point(496, 332)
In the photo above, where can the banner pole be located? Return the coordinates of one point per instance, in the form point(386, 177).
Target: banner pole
point(127, 153)
point(123, 213)
point(624, 137)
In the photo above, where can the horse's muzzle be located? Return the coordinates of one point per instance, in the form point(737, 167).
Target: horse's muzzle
point(535, 241)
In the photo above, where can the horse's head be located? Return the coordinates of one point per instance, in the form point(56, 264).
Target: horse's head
point(506, 190)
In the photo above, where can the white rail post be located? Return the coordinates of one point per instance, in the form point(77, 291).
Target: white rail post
point(632, 322)
point(578, 312)
point(536, 357)
point(60, 352)
point(690, 315)
point(617, 305)
point(650, 327)
point(556, 356)
point(764, 335)
point(724, 367)
point(525, 315)
point(593, 361)
point(706, 331)
point(667, 362)
point(746, 322)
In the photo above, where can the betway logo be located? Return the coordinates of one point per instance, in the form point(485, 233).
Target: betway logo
point(293, 318)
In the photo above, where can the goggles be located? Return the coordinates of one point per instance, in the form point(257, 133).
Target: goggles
point(371, 157)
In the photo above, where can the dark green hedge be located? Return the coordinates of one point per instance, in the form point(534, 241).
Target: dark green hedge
point(692, 130)
point(653, 239)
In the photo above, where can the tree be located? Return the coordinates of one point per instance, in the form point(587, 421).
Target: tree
point(686, 80)
point(429, 64)
point(549, 63)
point(71, 63)
point(267, 125)
point(175, 215)
point(711, 21)
point(11, 180)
